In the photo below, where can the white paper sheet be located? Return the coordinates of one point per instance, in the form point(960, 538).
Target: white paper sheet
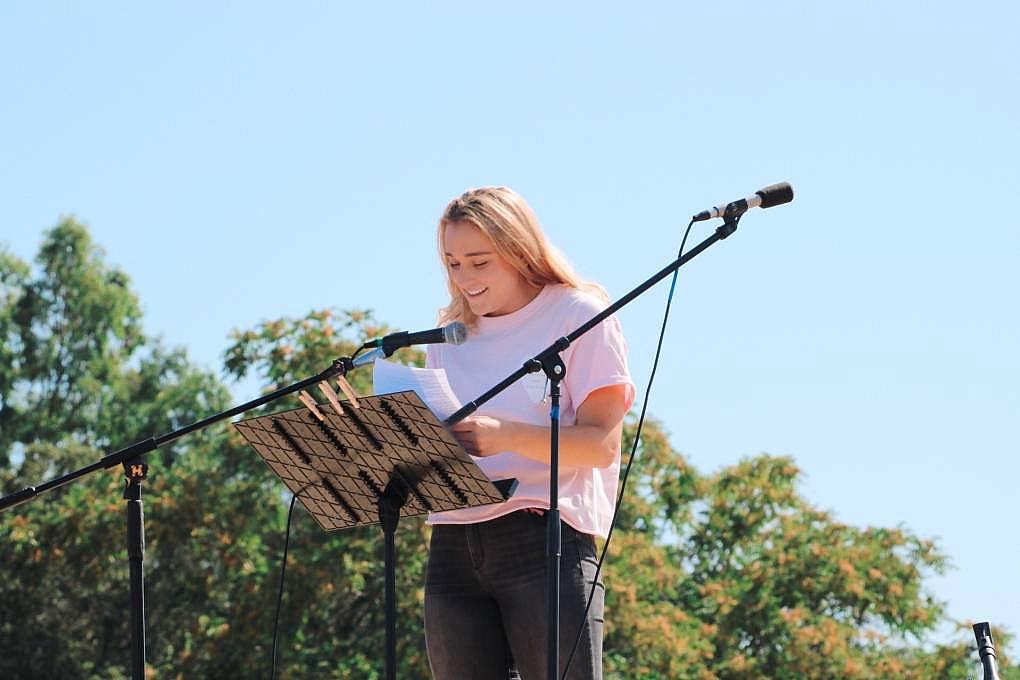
point(431, 384)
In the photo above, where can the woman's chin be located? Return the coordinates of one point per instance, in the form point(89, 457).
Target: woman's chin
point(477, 307)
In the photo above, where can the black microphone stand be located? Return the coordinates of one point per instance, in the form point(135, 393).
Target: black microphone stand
point(136, 471)
point(549, 361)
point(986, 651)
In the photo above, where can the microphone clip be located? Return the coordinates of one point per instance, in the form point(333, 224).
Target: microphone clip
point(729, 225)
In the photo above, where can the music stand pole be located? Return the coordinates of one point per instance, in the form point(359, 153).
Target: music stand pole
point(390, 504)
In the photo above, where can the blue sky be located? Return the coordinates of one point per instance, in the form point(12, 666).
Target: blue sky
point(244, 161)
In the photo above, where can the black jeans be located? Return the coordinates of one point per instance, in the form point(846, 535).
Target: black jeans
point(485, 603)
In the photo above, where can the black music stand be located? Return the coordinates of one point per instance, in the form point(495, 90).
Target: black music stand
point(371, 461)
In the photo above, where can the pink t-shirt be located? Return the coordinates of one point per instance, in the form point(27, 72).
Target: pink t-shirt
point(499, 346)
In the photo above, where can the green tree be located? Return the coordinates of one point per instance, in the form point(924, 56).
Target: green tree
point(735, 575)
point(77, 378)
point(80, 378)
point(728, 575)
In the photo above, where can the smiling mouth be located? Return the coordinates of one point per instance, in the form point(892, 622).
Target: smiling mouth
point(475, 293)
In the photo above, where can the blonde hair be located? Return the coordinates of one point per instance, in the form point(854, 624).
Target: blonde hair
point(509, 222)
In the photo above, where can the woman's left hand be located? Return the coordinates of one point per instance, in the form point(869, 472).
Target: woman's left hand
point(483, 435)
point(593, 441)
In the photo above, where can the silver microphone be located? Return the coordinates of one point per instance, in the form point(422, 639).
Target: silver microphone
point(454, 334)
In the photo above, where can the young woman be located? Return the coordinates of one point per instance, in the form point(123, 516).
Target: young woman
point(486, 580)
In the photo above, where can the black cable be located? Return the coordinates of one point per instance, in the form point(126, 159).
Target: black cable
point(279, 596)
point(630, 459)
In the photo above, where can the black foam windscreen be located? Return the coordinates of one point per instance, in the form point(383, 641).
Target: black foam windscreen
point(776, 194)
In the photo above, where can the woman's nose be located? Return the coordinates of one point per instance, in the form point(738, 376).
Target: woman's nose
point(462, 278)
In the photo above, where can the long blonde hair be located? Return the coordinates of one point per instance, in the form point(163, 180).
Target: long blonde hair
point(509, 222)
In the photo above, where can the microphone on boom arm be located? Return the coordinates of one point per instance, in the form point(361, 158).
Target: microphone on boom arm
point(776, 194)
point(454, 333)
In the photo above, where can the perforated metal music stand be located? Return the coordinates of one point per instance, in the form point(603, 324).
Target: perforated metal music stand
point(387, 457)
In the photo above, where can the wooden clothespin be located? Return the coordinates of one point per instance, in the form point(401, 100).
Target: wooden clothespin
point(334, 401)
point(307, 400)
point(348, 390)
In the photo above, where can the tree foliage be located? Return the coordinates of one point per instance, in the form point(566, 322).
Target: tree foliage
point(80, 378)
point(748, 580)
point(728, 575)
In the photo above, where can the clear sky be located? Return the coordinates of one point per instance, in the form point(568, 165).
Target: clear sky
point(244, 161)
